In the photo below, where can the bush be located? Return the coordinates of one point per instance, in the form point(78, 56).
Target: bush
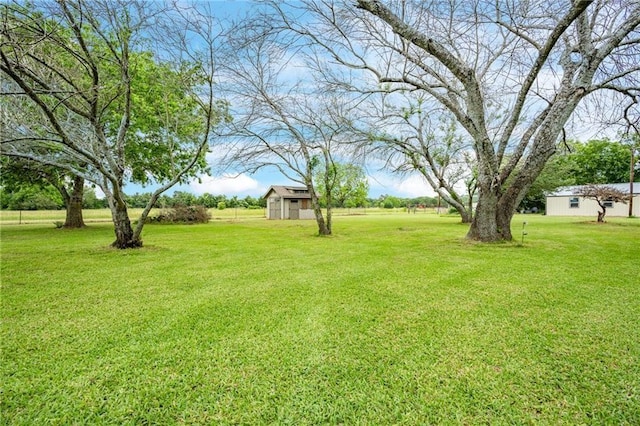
point(222, 205)
point(182, 214)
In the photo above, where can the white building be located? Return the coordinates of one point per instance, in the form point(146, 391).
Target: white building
point(565, 202)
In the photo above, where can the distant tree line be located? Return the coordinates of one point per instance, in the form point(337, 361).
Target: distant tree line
point(46, 197)
point(386, 201)
point(595, 161)
point(598, 161)
point(181, 198)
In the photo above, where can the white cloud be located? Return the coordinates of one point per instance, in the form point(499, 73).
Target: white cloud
point(411, 186)
point(226, 184)
point(216, 154)
point(99, 193)
point(414, 186)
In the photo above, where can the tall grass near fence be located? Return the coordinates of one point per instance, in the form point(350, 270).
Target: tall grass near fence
point(394, 320)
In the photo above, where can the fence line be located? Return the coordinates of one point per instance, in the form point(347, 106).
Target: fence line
point(24, 217)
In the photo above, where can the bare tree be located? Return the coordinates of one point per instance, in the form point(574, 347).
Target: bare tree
point(410, 137)
point(603, 194)
point(110, 90)
point(511, 73)
point(282, 118)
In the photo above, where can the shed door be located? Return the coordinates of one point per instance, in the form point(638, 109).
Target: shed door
point(294, 209)
point(274, 209)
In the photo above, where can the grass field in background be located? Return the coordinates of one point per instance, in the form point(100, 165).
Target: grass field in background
point(395, 319)
point(26, 217)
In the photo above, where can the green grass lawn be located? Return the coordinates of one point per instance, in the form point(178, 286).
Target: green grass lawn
point(394, 320)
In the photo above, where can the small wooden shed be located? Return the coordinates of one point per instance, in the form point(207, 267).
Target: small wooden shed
point(288, 202)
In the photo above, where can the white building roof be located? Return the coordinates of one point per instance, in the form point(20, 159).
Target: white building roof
point(566, 191)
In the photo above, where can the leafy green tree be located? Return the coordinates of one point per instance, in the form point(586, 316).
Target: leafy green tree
point(600, 161)
point(234, 202)
point(91, 201)
point(556, 173)
point(87, 92)
point(138, 200)
point(348, 184)
point(208, 200)
point(390, 202)
point(181, 198)
point(251, 202)
point(31, 197)
point(36, 179)
point(424, 201)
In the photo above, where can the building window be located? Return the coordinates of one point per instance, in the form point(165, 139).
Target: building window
point(607, 203)
point(574, 203)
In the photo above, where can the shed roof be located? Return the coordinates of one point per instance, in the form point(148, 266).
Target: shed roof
point(299, 192)
point(566, 191)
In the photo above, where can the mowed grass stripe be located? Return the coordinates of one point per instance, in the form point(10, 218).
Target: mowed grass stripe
point(394, 320)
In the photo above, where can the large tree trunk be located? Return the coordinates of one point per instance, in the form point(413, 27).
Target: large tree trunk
point(125, 237)
point(484, 225)
point(503, 222)
point(509, 201)
point(73, 204)
point(492, 220)
point(491, 223)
